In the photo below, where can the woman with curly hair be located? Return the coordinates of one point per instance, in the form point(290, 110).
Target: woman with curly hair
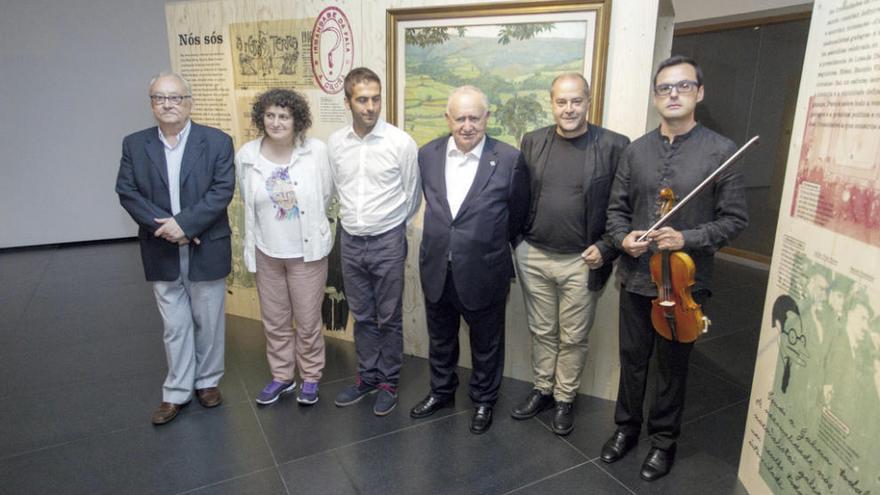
point(285, 185)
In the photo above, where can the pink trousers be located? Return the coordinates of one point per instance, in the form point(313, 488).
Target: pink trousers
point(292, 289)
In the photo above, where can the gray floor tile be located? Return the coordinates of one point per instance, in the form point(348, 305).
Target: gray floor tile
point(587, 478)
point(440, 456)
point(266, 482)
point(190, 452)
point(116, 358)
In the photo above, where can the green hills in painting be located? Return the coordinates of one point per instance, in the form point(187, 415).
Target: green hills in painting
point(515, 76)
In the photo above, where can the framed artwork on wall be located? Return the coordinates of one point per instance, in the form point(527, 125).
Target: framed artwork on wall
point(511, 51)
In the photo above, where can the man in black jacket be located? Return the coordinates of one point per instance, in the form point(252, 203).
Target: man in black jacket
point(679, 155)
point(562, 261)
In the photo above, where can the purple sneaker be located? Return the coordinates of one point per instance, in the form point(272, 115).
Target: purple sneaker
point(273, 391)
point(308, 394)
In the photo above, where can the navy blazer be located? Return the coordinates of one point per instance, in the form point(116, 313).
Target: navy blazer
point(600, 166)
point(478, 239)
point(207, 182)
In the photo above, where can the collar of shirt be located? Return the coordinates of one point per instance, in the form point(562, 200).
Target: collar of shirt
point(181, 136)
point(263, 162)
point(452, 150)
point(378, 131)
point(461, 168)
point(680, 137)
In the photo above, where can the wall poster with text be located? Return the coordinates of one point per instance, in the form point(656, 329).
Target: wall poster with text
point(813, 424)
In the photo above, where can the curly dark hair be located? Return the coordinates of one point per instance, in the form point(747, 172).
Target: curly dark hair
point(284, 98)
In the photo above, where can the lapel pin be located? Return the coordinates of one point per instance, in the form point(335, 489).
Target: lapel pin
point(492, 163)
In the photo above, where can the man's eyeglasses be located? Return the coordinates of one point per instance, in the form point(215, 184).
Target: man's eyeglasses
point(174, 99)
point(682, 87)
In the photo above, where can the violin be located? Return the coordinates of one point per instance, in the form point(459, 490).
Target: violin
point(674, 313)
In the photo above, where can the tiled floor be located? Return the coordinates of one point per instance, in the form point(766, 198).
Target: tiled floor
point(81, 362)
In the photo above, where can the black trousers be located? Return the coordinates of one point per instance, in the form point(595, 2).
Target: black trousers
point(637, 341)
point(486, 339)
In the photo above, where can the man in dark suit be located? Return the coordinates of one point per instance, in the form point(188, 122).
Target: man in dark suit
point(476, 195)
point(563, 263)
point(176, 180)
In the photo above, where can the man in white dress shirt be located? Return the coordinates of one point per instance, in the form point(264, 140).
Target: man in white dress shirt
point(375, 171)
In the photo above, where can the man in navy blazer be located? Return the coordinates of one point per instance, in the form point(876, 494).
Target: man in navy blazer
point(176, 180)
point(476, 200)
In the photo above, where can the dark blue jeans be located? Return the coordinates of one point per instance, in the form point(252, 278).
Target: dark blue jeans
point(372, 269)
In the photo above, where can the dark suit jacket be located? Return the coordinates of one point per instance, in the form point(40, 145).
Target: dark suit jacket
point(478, 238)
point(207, 182)
point(600, 166)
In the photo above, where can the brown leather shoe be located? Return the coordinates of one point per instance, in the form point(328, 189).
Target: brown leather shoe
point(166, 412)
point(209, 397)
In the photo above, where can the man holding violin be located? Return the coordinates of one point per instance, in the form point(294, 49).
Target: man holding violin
point(678, 155)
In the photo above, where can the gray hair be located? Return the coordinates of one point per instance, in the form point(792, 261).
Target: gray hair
point(468, 89)
point(186, 85)
point(572, 75)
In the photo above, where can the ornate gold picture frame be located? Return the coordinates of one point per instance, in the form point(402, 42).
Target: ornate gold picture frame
point(511, 51)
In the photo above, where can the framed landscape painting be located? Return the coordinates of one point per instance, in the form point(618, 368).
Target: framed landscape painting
point(511, 51)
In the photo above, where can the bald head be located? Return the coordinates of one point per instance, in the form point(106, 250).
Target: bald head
point(173, 75)
point(570, 100)
point(467, 114)
point(467, 91)
point(571, 77)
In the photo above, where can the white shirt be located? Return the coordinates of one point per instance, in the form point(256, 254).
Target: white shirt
point(310, 172)
point(376, 178)
point(173, 159)
point(278, 231)
point(461, 168)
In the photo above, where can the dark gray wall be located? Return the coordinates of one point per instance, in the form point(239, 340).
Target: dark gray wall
point(73, 82)
point(751, 79)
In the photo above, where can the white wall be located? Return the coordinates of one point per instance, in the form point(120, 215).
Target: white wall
point(74, 82)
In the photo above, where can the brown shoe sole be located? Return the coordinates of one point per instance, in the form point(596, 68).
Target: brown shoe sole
point(161, 419)
point(211, 402)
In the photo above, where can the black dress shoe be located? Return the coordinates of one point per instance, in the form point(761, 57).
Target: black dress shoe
point(658, 463)
point(563, 419)
point(481, 420)
point(429, 405)
point(532, 405)
point(617, 446)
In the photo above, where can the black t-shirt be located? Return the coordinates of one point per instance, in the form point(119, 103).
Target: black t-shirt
point(559, 218)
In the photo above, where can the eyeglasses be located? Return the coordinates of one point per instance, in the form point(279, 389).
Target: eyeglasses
point(683, 87)
point(174, 99)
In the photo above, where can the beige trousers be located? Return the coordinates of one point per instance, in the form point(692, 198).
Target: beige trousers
point(288, 289)
point(560, 312)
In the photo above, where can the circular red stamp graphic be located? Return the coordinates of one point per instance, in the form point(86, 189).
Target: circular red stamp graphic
point(332, 49)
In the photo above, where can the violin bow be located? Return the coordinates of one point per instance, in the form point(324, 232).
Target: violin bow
point(733, 158)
